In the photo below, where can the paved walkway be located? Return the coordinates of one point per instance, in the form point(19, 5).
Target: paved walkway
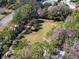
point(7, 18)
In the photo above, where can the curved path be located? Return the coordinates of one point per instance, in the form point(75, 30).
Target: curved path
point(7, 18)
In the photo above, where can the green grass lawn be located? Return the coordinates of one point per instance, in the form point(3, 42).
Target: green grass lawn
point(40, 36)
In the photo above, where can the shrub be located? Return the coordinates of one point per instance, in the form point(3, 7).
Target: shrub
point(75, 21)
point(19, 44)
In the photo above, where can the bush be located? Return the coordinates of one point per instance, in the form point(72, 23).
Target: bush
point(74, 22)
point(19, 44)
point(38, 49)
point(24, 53)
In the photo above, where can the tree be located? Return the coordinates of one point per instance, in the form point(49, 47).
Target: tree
point(58, 12)
point(52, 11)
point(22, 12)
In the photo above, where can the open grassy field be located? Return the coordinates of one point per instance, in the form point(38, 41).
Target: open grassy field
point(41, 34)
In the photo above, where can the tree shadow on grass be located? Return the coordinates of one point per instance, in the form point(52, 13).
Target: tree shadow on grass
point(37, 28)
